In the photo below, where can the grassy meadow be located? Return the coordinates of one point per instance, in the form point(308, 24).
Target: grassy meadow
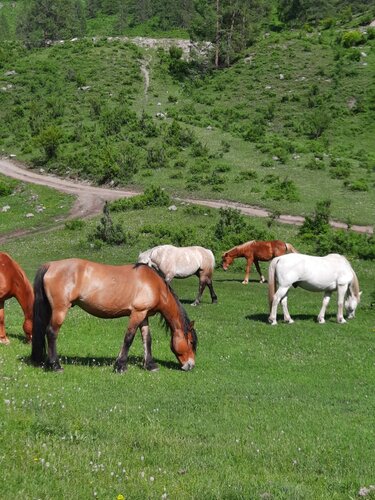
point(269, 412)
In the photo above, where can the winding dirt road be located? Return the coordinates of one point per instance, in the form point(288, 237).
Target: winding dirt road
point(90, 199)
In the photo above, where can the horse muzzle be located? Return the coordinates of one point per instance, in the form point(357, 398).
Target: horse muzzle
point(189, 365)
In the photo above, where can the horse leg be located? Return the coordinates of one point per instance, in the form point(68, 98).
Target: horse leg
point(3, 337)
point(136, 318)
point(212, 292)
point(279, 295)
point(284, 303)
point(341, 291)
point(247, 271)
point(262, 278)
point(52, 331)
point(148, 362)
point(326, 299)
point(201, 287)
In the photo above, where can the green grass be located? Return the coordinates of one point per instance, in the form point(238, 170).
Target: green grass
point(47, 206)
point(278, 412)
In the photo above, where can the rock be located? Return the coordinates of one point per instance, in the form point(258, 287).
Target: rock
point(5, 208)
point(172, 208)
point(29, 215)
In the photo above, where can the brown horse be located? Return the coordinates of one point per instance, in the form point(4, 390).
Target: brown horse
point(14, 283)
point(108, 292)
point(255, 251)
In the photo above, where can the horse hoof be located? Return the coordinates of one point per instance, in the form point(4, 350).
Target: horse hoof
point(321, 321)
point(54, 366)
point(194, 304)
point(272, 322)
point(4, 340)
point(341, 321)
point(119, 368)
point(152, 367)
point(245, 282)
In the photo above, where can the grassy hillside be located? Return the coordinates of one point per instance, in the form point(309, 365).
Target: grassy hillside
point(290, 123)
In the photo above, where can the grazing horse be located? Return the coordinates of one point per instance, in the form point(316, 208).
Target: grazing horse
point(255, 251)
point(316, 274)
point(108, 292)
point(181, 262)
point(14, 283)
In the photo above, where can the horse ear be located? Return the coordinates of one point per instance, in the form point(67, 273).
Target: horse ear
point(360, 293)
point(191, 326)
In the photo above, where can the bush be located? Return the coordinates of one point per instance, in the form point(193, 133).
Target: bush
point(74, 225)
point(156, 157)
point(6, 187)
point(357, 185)
point(167, 235)
point(282, 190)
point(352, 38)
point(49, 139)
point(152, 197)
point(233, 229)
point(107, 232)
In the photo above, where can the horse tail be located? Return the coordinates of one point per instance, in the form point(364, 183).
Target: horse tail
point(41, 317)
point(290, 248)
point(272, 281)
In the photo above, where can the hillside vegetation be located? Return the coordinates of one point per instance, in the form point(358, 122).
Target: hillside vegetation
point(290, 122)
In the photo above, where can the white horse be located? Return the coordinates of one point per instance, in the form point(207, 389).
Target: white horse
point(316, 274)
point(181, 262)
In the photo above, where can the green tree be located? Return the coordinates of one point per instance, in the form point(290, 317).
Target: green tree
point(230, 25)
point(44, 20)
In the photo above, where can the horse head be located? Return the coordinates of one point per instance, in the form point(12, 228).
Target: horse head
point(351, 304)
point(226, 260)
point(184, 347)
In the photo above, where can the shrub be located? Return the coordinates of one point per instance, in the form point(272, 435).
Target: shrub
point(282, 190)
point(106, 231)
point(156, 157)
point(49, 139)
point(315, 164)
point(152, 197)
point(351, 38)
point(74, 225)
point(6, 187)
point(339, 168)
point(232, 229)
point(168, 235)
point(357, 185)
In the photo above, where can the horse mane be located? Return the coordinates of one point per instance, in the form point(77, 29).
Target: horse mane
point(240, 247)
point(354, 286)
point(185, 318)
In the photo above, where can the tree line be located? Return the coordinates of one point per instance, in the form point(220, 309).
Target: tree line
point(231, 25)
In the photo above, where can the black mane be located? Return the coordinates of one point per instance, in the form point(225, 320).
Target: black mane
point(185, 318)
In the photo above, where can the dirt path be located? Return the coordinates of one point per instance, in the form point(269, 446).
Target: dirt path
point(90, 199)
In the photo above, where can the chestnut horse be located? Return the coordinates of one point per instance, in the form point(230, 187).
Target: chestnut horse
point(108, 292)
point(316, 274)
point(182, 262)
point(14, 283)
point(255, 251)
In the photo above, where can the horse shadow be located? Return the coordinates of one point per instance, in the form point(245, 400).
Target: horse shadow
point(18, 336)
point(99, 361)
point(263, 318)
point(236, 280)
